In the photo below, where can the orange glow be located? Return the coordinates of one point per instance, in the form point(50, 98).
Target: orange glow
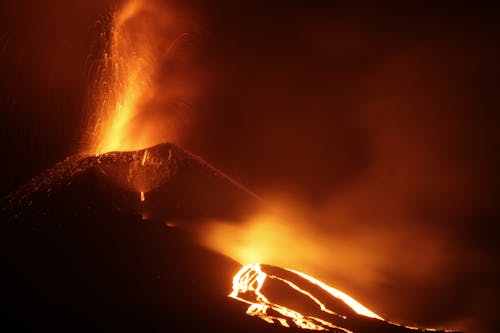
point(169, 224)
point(143, 198)
point(277, 239)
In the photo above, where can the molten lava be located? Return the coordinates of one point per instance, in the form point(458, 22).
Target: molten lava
point(292, 298)
point(248, 286)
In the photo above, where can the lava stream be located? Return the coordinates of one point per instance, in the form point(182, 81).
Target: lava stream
point(250, 280)
point(292, 298)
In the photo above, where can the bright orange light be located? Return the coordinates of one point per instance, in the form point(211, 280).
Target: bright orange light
point(277, 239)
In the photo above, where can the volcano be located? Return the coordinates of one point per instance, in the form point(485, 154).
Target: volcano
point(104, 242)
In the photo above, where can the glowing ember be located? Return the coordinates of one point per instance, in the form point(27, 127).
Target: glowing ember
point(143, 198)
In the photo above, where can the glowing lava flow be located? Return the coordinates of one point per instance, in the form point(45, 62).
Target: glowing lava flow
point(294, 299)
point(249, 282)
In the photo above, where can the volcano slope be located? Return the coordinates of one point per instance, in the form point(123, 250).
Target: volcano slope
point(83, 250)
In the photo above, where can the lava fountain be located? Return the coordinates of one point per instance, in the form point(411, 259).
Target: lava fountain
point(125, 77)
point(142, 42)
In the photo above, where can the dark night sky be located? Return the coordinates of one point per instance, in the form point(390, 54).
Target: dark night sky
point(385, 113)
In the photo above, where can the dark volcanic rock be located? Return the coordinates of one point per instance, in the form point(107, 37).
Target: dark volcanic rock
point(177, 185)
point(78, 253)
